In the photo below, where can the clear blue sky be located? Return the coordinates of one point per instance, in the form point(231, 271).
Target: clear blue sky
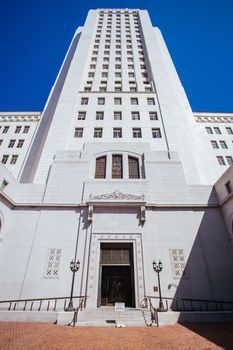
point(34, 37)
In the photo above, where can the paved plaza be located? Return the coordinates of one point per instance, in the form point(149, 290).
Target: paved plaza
point(36, 336)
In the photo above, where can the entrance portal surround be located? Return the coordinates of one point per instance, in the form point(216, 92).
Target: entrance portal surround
point(93, 274)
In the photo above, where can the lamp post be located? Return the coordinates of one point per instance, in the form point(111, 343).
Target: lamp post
point(158, 268)
point(74, 267)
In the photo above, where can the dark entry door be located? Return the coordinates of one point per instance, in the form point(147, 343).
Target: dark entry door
point(116, 285)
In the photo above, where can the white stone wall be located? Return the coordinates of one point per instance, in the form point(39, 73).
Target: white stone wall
point(13, 137)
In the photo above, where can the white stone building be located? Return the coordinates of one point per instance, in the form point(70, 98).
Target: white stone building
point(118, 172)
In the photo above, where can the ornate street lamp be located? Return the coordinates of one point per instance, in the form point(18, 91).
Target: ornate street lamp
point(74, 267)
point(158, 268)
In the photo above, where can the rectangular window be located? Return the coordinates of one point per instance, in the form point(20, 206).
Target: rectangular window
point(117, 115)
point(135, 115)
point(229, 130)
point(5, 129)
point(117, 133)
point(150, 101)
point(153, 115)
point(1, 142)
point(17, 129)
point(137, 133)
point(117, 101)
point(91, 75)
point(84, 101)
point(156, 133)
point(117, 88)
point(11, 144)
point(117, 168)
point(81, 115)
point(229, 160)
point(98, 132)
point(26, 129)
point(101, 101)
point(209, 130)
point(134, 101)
point(13, 159)
point(78, 132)
point(5, 158)
point(221, 161)
point(118, 75)
point(100, 168)
point(214, 144)
point(223, 144)
point(217, 130)
point(104, 75)
point(99, 116)
point(20, 143)
point(229, 187)
point(133, 165)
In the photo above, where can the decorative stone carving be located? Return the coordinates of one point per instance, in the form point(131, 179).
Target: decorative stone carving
point(90, 214)
point(117, 195)
point(143, 214)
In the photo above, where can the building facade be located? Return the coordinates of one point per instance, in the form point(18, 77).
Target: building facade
point(117, 172)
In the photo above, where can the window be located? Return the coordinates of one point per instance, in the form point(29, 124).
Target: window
point(11, 144)
point(223, 144)
point(5, 129)
point(153, 115)
point(134, 101)
point(100, 168)
point(26, 129)
point(91, 75)
point(101, 100)
point(117, 169)
point(229, 130)
point(105, 66)
point(117, 115)
point(84, 101)
point(117, 75)
point(209, 130)
point(133, 165)
point(99, 116)
point(104, 75)
point(98, 132)
point(117, 100)
point(214, 144)
point(229, 160)
point(117, 133)
point(150, 101)
point(117, 88)
point(229, 187)
point(81, 115)
point(78, 132)
point(135, 115)
point(13, 159)
point(156, 133)
point(220, 160)
point(217, 130)
point(92, 66)
point(118, 66)
point(4, 159)
point(20, 143)
point(1, 142)
point(137, 133)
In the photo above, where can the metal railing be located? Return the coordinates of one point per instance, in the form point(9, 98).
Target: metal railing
point(146, 303)
point(81, 306)
point(187, 304)
point(42, 304)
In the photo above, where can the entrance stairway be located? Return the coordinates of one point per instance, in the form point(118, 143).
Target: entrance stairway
point(107, 316)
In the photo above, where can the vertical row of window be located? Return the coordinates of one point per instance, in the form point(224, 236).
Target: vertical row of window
point(117, 167)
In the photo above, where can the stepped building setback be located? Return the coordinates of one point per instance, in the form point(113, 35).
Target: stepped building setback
point(116, 172)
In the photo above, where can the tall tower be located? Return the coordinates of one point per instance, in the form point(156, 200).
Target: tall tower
point(117, 86)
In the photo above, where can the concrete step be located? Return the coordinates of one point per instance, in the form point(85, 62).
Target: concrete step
point(108, 317)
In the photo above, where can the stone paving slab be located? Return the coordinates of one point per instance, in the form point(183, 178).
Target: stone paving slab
point(41, 336)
